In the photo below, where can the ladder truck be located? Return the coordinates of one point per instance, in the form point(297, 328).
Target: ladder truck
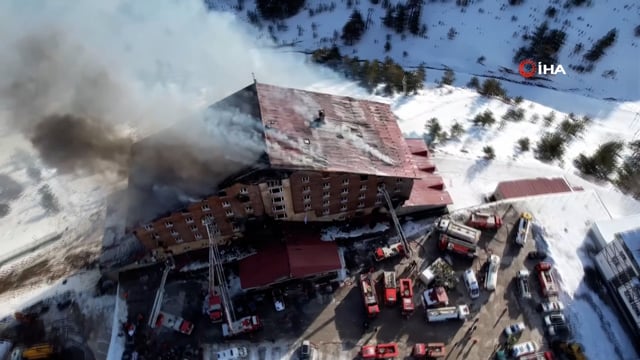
point(160, 318)
point(231, 326)
point(396, 222)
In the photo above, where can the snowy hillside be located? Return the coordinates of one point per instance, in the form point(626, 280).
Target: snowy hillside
point(486, 35)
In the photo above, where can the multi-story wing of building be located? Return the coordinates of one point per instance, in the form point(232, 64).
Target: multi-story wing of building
point(323, 158)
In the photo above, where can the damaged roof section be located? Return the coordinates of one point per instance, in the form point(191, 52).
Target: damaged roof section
point(308, 130)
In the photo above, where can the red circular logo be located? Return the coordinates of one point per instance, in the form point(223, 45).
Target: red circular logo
point(532, 68)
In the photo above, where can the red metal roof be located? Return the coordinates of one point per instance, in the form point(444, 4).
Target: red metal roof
point(269, 265)
point(308, 255)
point(423, 195)
point(423, 163)
point(417, 147)
point(530, 187)
point(357, 136)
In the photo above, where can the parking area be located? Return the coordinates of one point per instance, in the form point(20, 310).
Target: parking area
point(334, 319)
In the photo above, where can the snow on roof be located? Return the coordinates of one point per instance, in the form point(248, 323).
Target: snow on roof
point(530, 187)
point(632, 240)
point(355, 136)
point(607, 229)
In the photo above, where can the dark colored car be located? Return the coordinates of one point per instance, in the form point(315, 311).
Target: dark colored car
point(537, 255)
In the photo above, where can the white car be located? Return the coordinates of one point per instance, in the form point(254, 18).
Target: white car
point(551, 306)
point(514, 329)
point(233, 353)
point(524, 348)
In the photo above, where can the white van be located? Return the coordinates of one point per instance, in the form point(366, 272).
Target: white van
point(492, 272)
point(471, 283)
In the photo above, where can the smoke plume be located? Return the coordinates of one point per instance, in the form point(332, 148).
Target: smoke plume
point(83, 81)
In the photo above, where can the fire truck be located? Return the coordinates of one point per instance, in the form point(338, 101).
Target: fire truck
point(460, 247)
point(387, 252)
point(390, 288)
point(369, 295)
point(213, 306)
point(459, 231)
point(245, 325)
point(483, 220)
point(174, 322)
point(428, 351)
point(547, 281)
point(380, 351)
point(406, 293)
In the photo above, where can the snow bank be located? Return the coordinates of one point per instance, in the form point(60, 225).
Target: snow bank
point(116, 346)
point(333, 233)
point(194, 266)
point(562, 223)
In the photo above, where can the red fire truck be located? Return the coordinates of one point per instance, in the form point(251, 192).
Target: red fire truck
point(369, 295)
point(390, 288)
point(380, 351)
point(406, 292)
point(483, 220)
point(387, 252)
point(214, 307)
point(547, 281)
point(428, 351)
point(461, 247)
point(246, 325)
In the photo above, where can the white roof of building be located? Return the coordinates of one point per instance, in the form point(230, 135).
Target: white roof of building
point(607, 229)
point(632, 240)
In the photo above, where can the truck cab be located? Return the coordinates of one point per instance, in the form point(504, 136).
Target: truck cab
point(524, 225)
point(390, 288)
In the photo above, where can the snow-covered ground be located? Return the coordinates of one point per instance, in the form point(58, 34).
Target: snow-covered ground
point(489, 29)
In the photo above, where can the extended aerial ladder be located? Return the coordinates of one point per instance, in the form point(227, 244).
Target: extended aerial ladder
point(396, 222)
point(217, 279)
point(157, 303)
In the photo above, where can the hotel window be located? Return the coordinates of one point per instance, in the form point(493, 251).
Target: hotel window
point(148, 227)
point(236, 228)
point(305, 179)
point(326, 203)
point(307, 207)
point(325, 212)
point(226, 204)
point(174, 233)
point(343, 208)
point(197, 236)
point(361, 204)
point(277, 190)
point(363, 187)
point(248, 209)
point(179, 240)
point(344, 191)
point(205, 207)
point(326, 185)
point(168, 224)
point(278, 199)
point(244, 191)
point(229, 213)
point(364, 177)
point(306, 189)
point(345, 182)
point(362, 197)
point(399, 180)
point(155, 236)
point(378, 201)
point(326, 175)
point(207, 219)
point(189, 220)
point(278, 208)
point(306, 198)
point(326, 195)
point(281, 216)
point(342, 217)
point(381, 186)
point(343, 199)
point(194, 228)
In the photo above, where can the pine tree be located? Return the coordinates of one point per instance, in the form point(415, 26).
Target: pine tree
point(388, 19)
point(400, 20)
point(597, 50)
point(353, 29)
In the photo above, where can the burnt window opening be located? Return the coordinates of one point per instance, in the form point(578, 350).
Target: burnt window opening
point(222, 193)
point(364, 177)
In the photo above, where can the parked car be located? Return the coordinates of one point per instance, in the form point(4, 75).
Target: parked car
point(523, 283)
point(551, 306)
point(240, 352)
point(558, 330)
point(524, 348)
point(514, 329)
point(278, 300)
point(307, 350)
point(554, 319)
point(537, 255)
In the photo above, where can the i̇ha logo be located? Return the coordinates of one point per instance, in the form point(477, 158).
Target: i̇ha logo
point(529, 68)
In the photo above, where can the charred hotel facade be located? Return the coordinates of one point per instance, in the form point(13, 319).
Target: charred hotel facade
point(325, 159)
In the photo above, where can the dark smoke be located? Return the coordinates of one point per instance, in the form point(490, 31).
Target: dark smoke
point(73, 143)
